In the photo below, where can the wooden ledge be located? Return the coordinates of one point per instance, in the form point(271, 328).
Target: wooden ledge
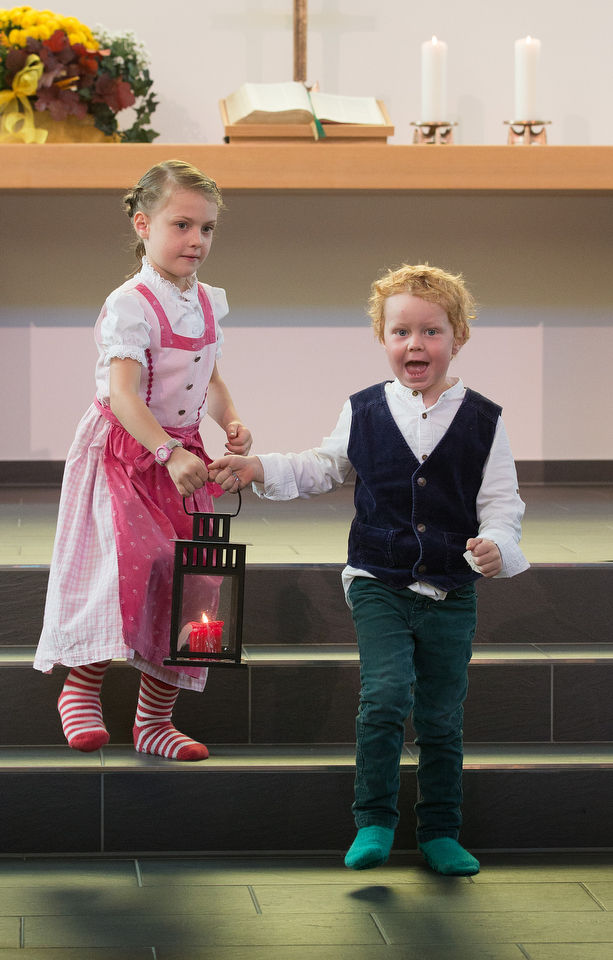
point(314, 166)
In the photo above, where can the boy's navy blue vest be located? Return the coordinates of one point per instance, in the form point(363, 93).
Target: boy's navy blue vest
point(413, 518)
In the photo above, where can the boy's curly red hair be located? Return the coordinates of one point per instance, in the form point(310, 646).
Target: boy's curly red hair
point(429, 283)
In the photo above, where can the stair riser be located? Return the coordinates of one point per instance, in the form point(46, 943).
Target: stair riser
point(305, 604)
point(524, 702)
point(239, 811)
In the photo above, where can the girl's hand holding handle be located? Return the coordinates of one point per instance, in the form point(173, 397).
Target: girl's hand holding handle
point(239, 438)
point(187, 471)
point(486, 555)
point(236, 473)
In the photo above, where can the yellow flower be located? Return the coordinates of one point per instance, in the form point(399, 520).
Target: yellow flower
point(18, 38)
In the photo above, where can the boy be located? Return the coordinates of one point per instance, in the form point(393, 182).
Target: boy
point(437, 506)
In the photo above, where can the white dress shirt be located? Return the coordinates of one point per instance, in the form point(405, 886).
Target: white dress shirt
point(499, 506)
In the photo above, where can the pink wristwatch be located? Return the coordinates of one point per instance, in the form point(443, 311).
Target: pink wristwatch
point(162, 454)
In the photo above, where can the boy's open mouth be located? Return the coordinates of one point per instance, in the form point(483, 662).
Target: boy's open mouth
point(416, 367)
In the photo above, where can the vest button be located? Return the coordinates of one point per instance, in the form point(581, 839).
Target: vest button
point(424, 416)
point(422, 568)
point(421, 527)
point(181, 412)
point(189, 386)
point(421, 481)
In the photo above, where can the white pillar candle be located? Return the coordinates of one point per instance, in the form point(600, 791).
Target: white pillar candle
point(434, 81)
point(527, 53)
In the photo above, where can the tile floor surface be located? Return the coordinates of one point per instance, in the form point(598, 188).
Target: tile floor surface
point(535, 907)
point(563, 524)
point(550, 906)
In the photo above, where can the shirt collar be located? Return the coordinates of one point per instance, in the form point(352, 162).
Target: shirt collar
point(415, 397)
point(164, 286)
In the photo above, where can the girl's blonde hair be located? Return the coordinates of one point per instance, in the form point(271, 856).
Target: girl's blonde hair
point(428, 283)
point(156, 186)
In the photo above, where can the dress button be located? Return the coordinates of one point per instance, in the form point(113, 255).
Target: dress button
point(196, 359)
point(422, 569)
point(424, 416)
point(189, 386)
point(421, 481)
point(421, 527)
point(181, 412)
point(424, 456)
point(415, 393)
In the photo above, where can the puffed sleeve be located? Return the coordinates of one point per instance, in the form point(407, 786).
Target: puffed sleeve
point(124, 331)
point(219, 302)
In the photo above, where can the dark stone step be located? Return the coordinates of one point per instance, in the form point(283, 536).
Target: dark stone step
point(310, 695)
point(287, 799)
point(550, 603)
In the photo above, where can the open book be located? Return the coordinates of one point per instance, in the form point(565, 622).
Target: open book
point(291, 103)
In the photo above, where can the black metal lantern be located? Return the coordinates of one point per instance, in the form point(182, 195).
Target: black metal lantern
point(208, 589)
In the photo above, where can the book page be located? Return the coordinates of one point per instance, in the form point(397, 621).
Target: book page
point(269, 103)
point(275, 97)
point(337, 109)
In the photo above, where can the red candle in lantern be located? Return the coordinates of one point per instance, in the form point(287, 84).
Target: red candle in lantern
point(205, 636)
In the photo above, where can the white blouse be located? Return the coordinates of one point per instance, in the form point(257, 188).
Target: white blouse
point(124, 330)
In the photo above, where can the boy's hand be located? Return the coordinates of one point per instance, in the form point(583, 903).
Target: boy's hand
point(235, 473)
point(486, 555)
point(239, 438)
point(187, 471)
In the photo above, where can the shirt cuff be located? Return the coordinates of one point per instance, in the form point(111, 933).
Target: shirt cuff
point(513, 560)
point(279, 481)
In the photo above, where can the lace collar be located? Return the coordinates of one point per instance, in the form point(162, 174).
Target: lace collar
point(162, 285)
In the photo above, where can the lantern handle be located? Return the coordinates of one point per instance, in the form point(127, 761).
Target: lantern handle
point(240, 503)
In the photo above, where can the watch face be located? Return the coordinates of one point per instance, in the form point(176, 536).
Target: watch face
point(163, 453)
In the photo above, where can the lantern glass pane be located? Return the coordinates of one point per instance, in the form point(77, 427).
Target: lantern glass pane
point(208, 618)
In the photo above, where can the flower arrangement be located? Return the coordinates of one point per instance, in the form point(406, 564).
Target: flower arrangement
point(57, 64)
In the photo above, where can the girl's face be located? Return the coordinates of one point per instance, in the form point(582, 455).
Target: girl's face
point(178, 234)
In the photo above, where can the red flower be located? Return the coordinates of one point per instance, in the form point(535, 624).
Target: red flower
point(117, 94)
point(57, 41)
point(15, 61)
point(60, 103)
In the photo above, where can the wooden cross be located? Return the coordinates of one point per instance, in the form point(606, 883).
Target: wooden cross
point(300, 40)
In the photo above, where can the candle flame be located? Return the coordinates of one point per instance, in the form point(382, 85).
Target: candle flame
point(434, 40)
point(528, 39)
point(205, 619)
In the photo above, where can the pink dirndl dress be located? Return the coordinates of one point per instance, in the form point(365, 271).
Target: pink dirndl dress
point(110, 582)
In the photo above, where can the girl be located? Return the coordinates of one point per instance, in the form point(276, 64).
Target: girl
point(137, 452)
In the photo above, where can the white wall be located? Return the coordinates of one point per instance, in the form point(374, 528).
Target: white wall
point(203, 49)
point(298, 267)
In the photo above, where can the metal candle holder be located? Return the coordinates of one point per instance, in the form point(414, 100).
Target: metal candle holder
point(527, 132)
point(433, 132)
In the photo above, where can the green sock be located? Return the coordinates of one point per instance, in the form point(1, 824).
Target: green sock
point(370, 848)
point(446, 856)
